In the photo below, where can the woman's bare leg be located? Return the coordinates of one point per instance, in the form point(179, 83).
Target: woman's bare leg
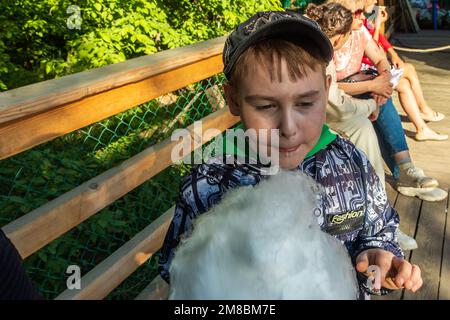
point(409, 72)
point(409, 104)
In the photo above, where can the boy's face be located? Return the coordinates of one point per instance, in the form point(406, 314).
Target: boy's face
point(296, 108)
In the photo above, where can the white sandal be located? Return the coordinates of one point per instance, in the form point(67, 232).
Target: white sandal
point(437, 116)
point(433, 137)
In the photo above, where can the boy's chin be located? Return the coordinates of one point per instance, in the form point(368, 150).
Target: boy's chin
point(290, 163)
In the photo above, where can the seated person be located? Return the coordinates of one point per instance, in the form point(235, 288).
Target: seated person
point(410, 180)
point(345, 114)
point(408, 88)
point(275, 64)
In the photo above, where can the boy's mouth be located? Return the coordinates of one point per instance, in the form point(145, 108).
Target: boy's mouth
point(289, 149)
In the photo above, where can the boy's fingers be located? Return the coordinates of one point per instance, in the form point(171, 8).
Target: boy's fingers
point(385, 266)
point(403, 272)
point(417, 286)
point(362, 262)
point(390, 284)
point(416, 278)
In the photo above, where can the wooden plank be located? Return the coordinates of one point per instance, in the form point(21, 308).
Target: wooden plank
point(429, 237)
point(107, 275)
point(44, 224)
point(444, 284)
point(158, 289)
point(408, 209)
point(390, 191)
point(46, 95)
point(24, 133)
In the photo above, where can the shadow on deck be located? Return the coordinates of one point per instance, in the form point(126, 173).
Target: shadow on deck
point(429, 222)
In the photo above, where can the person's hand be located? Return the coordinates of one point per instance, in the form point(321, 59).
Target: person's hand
point(374, 115)
point(382, 85)
point(379, 100)
point(398, 63)
point(395, 272)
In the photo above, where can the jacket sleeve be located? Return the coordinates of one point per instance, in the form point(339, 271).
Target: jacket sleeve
point(180, 225)
point(341, 106)
point(197, 194)
point(381, 220)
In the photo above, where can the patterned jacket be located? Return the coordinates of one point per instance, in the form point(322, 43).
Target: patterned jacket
point(354, 207)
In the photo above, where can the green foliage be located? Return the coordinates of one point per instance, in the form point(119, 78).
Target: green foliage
point(36, 43)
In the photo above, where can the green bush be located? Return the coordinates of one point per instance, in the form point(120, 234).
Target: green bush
point(36, 43)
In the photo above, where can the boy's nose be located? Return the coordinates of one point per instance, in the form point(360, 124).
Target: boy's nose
point(287, 125)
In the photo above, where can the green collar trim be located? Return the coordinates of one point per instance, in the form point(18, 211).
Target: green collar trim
point(326, 137)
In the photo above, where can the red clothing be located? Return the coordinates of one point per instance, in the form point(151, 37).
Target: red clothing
point(382, 41)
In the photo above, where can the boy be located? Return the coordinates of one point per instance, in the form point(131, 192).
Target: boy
point(275, 65)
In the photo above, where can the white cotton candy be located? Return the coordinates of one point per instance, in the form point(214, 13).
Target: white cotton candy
point(263, 242)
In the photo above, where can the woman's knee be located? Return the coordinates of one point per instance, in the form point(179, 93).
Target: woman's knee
point(403, 85)
point(409, 70)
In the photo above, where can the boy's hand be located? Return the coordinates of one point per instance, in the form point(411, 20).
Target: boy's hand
point(395, 272)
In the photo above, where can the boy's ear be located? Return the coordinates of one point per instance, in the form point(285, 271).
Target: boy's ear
point(328, 84)
point(230, 96)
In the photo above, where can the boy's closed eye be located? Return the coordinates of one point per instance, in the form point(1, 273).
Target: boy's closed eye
point(265, 107)
point(305, 104)
point(302, 104)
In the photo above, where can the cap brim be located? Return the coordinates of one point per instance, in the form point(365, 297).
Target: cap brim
point(294, 30)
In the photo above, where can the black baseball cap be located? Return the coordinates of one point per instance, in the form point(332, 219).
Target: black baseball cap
point(287, 25)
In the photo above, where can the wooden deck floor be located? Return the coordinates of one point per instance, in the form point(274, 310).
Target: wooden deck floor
point(429, 222)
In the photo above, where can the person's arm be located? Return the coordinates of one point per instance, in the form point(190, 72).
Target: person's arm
point(341, 106)
point(376, 34)
point(379, 59)
point(355, 88)
point(195, 198)
point(381, 18)
point(377, 244)
point(396, 60)
point(380, 85)
point(385, 44)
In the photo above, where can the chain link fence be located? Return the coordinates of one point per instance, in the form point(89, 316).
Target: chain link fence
point(34, 177)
